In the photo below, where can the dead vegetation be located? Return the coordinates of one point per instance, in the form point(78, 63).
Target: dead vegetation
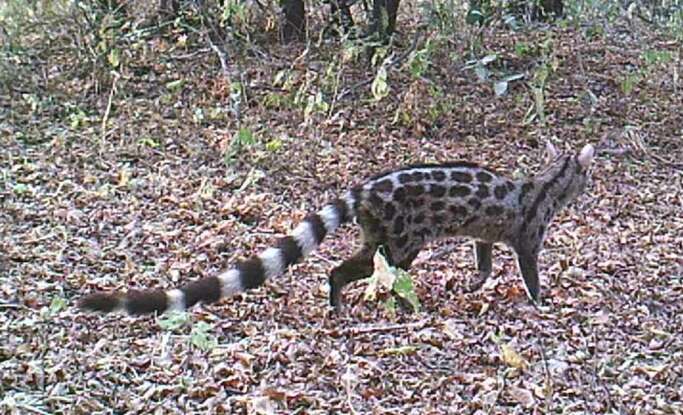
point(151, 165)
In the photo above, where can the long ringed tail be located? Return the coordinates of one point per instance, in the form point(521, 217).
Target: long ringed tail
point(247, 274)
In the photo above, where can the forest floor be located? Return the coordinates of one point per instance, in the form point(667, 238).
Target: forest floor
point(141, 179)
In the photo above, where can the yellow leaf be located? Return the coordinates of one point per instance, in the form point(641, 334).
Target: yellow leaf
point(124, 177)
point(511, 357)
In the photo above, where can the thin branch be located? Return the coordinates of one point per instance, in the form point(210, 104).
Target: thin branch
point(105, 118)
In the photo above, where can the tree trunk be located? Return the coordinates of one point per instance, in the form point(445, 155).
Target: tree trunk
point(384, 17)
point(294, 25)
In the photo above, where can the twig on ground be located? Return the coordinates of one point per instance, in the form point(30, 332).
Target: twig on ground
point(379, 328)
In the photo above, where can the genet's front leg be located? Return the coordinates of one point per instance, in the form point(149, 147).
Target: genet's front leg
point(528, 267)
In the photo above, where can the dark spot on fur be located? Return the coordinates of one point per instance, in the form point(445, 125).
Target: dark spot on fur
point(419, 218)
point(438, 176)
point(375, 201)
point(460, 176)
point(398, 226)
point(416, 203)
point(400, 194)
point(438, 221)
point(526, 188)
point(402, 241)
point(415, 190)
point(482, 192)
point(383, 186)
point(484, 177)
point(405, 178)
point(459, 191)
point(458, 211)
point(437, 191)
point(500, 191)
point(474, 202)
point(418, 176)
point(494, 210)
point(389, 211)
point(438, 205)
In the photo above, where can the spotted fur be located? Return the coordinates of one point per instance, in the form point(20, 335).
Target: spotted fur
point(401, 210)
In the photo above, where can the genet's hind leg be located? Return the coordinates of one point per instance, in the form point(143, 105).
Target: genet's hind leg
point(355, 268)
point(483, 253)
point(408, 260)
point(360, 265)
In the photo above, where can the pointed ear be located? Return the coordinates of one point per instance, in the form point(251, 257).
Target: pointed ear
point(586, 155)
point(550, 152)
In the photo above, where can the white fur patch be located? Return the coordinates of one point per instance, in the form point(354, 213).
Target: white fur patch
point(350, 202)
point(272, 262)
point(330, 218)
point(230, 283)
point(586, 155)
point(176, 300)
point(304, 237)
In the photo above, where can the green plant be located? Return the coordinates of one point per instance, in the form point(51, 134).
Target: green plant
point(201, 336)
point(419, 60)
point(523, 49)
point(244, 137)
point(387, 278)
point(629, 82)
point(654, 57)
point(174, 321)
point(442, 14)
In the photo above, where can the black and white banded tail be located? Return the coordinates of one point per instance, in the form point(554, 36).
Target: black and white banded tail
point(247, 274)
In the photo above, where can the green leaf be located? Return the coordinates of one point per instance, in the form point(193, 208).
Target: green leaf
point(202, 338)
point(21, 188)
point(57, 304)
point(174, 320)
point(398, 351)
point(114, 58)
point(245, 137)
point(175, 86)
point(148, 141)
point(274, 145)
point(403, 287)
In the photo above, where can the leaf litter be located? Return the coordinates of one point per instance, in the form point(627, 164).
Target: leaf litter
point(155, 202)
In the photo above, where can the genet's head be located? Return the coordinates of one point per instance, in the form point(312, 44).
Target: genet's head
point(568, 172)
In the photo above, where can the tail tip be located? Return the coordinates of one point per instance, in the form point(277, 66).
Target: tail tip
point(103, 302)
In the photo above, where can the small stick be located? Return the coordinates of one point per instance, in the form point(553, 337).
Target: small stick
point(105, 118)
point(354, 331)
